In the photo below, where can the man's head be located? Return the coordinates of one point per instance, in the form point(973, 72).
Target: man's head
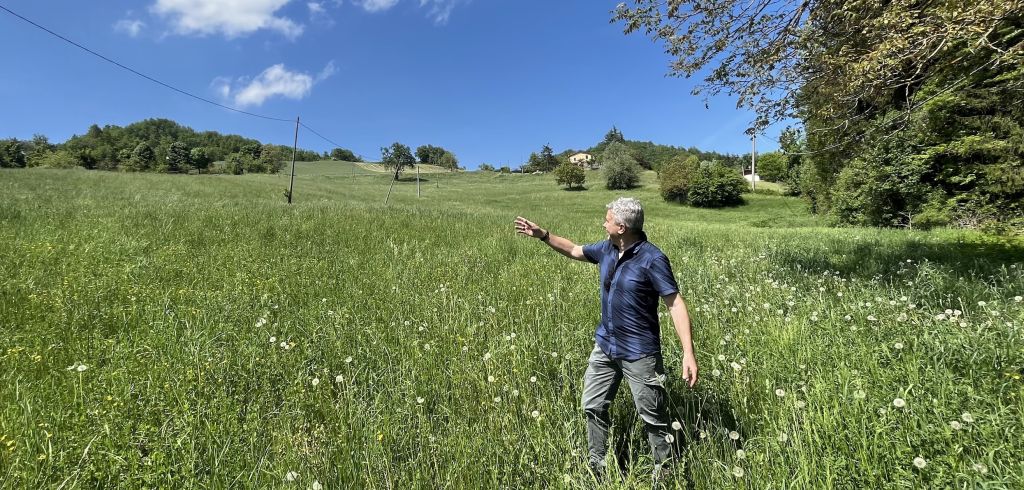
point(625, 216)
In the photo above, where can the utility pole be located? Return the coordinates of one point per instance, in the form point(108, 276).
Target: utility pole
point(753, 169)
point(295, 147)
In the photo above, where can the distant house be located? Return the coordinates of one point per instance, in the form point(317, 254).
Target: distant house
point(581, 159)
point(752, 178)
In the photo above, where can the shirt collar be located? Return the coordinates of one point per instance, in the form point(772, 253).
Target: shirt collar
point(633, 248)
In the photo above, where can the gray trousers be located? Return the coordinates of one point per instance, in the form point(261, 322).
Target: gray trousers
point(646, 379)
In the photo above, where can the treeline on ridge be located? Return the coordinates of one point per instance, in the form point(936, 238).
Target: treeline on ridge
point(158, 145)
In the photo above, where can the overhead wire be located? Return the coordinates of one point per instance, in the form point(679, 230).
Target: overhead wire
point(159, 82)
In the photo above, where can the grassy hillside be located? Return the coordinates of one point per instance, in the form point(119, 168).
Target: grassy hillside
point(195, 331)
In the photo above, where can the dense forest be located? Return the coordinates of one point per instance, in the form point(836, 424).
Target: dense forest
point(158, 145)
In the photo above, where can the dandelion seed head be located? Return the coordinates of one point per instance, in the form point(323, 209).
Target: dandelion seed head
point(676, 425)
point(420, 400)
point(348, 359)
point(801, 404)
point(980, 467)
point(535, 414)
point(716, 373)
point(955, 425)
point(497, 399)
point(273, 340)
point(291, 476)
point(741, 454)
point(721, 357)
point(487, 356)
point(898, 346)
point(533, 379)
point(81, 367)
point(899, 403)
point(920, 463)
point(737, 472)
point(734, 435)
point(317, 486)
point(315, 381)
point(490, 379)
point(783, 437)
point(339, 378)
point(967, 417)
point(779, 392)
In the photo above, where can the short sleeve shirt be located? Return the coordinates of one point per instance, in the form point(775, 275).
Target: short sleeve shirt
point(631, 287)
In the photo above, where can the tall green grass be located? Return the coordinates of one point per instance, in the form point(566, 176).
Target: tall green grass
point(195, 331)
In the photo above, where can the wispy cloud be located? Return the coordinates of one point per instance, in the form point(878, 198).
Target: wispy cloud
point(232, 18)
point(318, 14)
point(132, 27)
point(274, 81)
point(376, 5)
point(437, 10)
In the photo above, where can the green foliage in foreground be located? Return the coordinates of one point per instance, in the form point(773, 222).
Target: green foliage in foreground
point(194, 331)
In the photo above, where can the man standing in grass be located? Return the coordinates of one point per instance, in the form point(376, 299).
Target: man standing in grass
point(634, 274)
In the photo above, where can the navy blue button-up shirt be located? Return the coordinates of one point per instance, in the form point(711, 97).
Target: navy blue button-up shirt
point(630, 290)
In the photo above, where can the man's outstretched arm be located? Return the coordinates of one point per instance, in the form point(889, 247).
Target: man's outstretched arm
point(561, 245)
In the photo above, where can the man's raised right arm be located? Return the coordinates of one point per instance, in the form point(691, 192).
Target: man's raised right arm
point(561, 245)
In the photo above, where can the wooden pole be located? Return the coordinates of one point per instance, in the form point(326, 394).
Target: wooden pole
point(295, 147)
point(753, 169)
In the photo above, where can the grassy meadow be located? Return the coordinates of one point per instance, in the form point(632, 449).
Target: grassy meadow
point(179, 331)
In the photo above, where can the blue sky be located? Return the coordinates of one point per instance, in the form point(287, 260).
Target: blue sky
point(490, 80)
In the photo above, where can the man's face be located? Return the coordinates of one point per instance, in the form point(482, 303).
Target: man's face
point(611, 227)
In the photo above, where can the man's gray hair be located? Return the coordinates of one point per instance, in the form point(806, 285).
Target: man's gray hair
point(628, 211)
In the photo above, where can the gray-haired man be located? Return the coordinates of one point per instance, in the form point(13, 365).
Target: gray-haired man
point(634, 274)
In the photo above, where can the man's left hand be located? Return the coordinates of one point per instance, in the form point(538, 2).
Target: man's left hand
point(690, 370)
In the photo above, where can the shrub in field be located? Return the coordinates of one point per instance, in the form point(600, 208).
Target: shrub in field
point(486, 167)
point(676, 176)
point(142, 158)
point(772, 166)
point(716, 186)
point(56, 159)
point(570, 175)
point(236, 163)
point(620, 168)
point(178, 158)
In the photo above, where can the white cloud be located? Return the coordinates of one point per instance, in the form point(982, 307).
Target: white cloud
point(315, 8)
point(274, 81)
point(233, 18)
point(377, 5)
point(440, 10)
point(130, 27)
point(437, 10)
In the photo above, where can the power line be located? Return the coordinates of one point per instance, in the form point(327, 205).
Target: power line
point(136, 72)
point(320, 135)
point(161, 83)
